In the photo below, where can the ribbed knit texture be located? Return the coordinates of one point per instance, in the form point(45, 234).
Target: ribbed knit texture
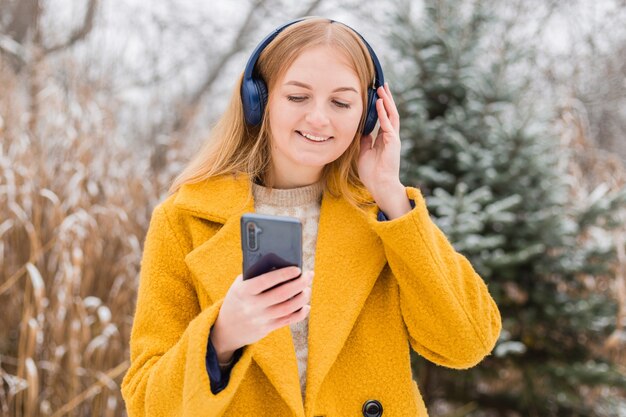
point(302, 203)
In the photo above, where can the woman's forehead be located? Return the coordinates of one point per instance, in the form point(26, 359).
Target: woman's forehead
point(321, 64)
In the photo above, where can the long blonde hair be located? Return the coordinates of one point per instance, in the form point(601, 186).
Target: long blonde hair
point(234, 147)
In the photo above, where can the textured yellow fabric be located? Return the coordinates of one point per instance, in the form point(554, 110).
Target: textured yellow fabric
point(379, 287)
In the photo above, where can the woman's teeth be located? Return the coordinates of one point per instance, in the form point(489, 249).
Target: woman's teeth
point(314, 138)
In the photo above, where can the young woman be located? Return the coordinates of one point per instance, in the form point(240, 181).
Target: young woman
point(296, 140)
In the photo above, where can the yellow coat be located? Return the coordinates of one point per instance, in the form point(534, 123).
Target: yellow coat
point(378, 288)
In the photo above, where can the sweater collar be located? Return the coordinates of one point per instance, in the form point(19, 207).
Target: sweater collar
point(291, 197)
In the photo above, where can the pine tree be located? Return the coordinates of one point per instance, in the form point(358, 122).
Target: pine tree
point(490, 169)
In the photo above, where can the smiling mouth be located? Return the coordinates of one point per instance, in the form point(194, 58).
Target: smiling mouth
point(313, 138)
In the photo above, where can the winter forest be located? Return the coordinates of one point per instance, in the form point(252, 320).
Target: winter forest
point(513, 125)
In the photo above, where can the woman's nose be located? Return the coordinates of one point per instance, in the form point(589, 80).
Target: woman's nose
point(316, 115)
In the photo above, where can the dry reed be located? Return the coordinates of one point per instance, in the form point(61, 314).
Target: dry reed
point(596, 172)
point(74, 209)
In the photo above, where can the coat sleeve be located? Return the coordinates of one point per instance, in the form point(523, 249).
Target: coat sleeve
point(168, 343)
point(451, 318)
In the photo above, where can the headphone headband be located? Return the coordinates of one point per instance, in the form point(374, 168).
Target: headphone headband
point(261, 46)
point(254, 90)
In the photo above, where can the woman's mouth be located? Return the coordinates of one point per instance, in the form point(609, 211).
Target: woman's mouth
point(313, 138)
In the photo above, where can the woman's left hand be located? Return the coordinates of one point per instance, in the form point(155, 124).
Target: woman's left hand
point(379, 166)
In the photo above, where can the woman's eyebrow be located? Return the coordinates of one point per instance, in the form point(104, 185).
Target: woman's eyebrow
point(303, 85)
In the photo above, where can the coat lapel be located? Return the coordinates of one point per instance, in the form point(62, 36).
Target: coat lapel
point(217, 262)
point(348, 260)
point(349, 257)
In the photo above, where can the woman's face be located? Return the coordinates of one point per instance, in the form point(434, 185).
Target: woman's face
point(314, 112)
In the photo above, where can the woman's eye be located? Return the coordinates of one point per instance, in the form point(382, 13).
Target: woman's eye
point(298, 99)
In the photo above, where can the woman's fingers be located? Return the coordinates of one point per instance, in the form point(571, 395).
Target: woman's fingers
point(292, 318)
point(390, 106)
point(385, 123)
point(290, 306)
point(393, 102)
point(262, 283)
point(284, 291)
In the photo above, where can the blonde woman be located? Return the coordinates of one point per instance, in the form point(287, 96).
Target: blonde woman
point(296, 139)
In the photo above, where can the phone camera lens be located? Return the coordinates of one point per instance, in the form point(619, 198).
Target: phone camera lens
point(252, 231)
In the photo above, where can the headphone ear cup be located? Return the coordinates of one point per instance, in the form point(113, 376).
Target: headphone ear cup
point(263, 95)
point(372, 115)
point(251, 102)
point(254, 95)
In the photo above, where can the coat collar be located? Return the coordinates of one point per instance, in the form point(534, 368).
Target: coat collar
point(340, 288)
point(217, 199)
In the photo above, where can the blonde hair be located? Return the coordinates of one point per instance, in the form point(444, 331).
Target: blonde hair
point(234, 147)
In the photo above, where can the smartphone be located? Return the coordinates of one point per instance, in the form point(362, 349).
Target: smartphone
point(270, 242)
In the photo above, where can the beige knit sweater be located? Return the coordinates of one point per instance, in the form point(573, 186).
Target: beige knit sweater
point(304, 204)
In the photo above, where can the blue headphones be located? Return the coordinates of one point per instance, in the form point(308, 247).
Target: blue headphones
point(254, 90)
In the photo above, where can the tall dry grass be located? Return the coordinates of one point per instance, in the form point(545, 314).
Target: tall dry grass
point(595, 172)
point(74, 208)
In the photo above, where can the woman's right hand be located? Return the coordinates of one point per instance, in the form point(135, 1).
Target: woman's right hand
point(248, 313)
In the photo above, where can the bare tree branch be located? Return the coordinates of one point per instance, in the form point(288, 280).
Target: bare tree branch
point(190, 109)
point(12, 48)
point(24, 18)
point(236, 47)
point(186, 116)
point(79, 34)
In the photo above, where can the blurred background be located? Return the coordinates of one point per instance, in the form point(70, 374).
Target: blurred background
point(513, 118)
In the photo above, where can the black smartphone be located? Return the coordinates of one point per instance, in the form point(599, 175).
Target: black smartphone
point(270, 242)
